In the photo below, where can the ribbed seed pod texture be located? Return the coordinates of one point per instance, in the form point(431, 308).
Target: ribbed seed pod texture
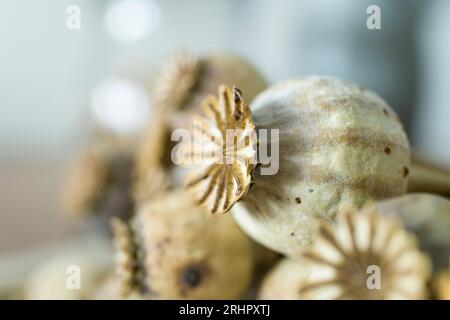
point(284, 280)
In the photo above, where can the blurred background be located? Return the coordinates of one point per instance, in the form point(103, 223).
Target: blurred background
point(58, 85)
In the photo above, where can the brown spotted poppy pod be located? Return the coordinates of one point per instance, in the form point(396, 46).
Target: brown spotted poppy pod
point(99, 182)
point(172, 249)
point(365, 255)
point(338, 142)
point(182, 84)
point(428, 216)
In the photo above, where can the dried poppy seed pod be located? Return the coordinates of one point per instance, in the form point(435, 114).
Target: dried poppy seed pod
point(111, 289)
point(55, 278)
point(337, 265)
point(338, 143)
point(183, 82)
point(365, 256)
point(88, 176)
point(428, 216)
point(284, 281)
point(185, 79)
point(172, 250)
point(99, 182)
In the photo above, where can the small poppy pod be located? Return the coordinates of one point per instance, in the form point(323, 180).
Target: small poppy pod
point(330, 142)
point(99, 182)
point(172, 250)
point(364, 255)
point(428, 216)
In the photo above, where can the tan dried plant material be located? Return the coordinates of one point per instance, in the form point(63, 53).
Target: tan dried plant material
point(283, 280)
point(153, 145)
point(171, 249)
point(88, 175)
point(223, 145)
point(365, 256)
point(48, 280)
point(441, 285)
point(177, 77)
point(110, 288)
point(153, 184)
point(126, 266)
point(150, 165)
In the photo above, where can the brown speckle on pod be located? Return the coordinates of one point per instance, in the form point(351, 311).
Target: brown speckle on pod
point(192, 276)
point(298, 200)
point(387, 150)
point(405, 172)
